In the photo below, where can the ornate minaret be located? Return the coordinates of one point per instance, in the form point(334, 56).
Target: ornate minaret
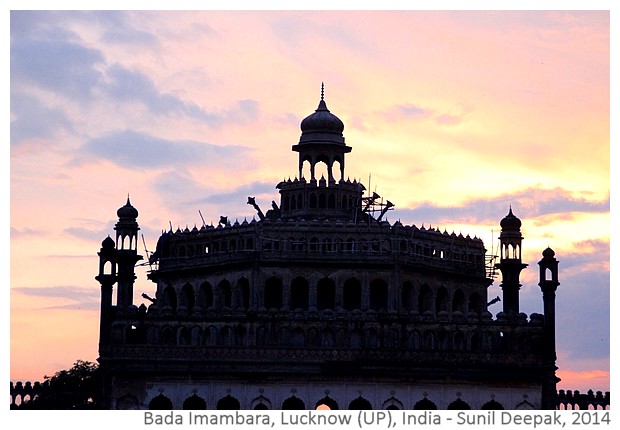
point(107, 278)
point(548, 285)
point(126, 254)
point(510, 262)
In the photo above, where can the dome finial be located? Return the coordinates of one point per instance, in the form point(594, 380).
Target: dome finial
point(322, 90)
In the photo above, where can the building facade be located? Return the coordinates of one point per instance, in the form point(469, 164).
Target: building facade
point(321, 301)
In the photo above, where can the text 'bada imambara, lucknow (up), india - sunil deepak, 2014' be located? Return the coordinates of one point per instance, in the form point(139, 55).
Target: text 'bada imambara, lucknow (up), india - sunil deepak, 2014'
point(320, 301)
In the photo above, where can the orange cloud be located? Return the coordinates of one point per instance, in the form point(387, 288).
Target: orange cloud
point(584, 380)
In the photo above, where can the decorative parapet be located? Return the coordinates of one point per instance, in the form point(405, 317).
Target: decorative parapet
point(575, 400)
point(322, 241)
point(24, 395)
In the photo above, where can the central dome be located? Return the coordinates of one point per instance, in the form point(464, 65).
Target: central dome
point(322, 120)
point(322, 127)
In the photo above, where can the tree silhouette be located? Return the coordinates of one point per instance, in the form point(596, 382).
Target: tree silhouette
point(75, 388)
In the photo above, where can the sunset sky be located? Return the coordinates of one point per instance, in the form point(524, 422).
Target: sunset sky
point(454, 116)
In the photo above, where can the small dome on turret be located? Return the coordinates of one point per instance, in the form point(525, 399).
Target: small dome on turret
point(107, 243)
point(548, 253)
point(127, 211)
point(510, 222)
point(322, 120)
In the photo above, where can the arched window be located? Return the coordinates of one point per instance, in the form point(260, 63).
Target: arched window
point(326, 294)
point(328, 339)
point(392, 404)
point(160, 403)
point(425, 299)
point(243, 292)
point(360, 404)
point(205, 296)
point(337, 169)
point(548, 274)
point(225, 294)
point(273, 293)
point(407, 299)
point(425, 405)
point(228, 403)
point(262, 338)
point(441, 300)
point(352, 294)
point(196, 335)
point(313, 201)
point(183, 337)
point(327, 403)
point(299, 293)
point(225, 337)
point(331, 201)
point(240, 336)
point(194, 402)
point(458, 301)
point(261, 402)
point(187, 298)
point(293, 403)
point(378, 295)
point(525, 405)
point(460, 405)
point(321, 167)
point(211, 335)
point(492, 405)
point(169, 299)
point(430, 341)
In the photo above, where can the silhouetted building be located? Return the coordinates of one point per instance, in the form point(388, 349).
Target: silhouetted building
point(321, 300)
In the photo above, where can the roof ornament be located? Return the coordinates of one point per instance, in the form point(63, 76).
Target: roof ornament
point(322, 90)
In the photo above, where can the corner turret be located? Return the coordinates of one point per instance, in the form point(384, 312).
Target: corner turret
point(510, 262)
point(126, 254)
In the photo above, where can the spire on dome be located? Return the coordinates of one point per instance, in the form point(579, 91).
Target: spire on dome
point(322, 90)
